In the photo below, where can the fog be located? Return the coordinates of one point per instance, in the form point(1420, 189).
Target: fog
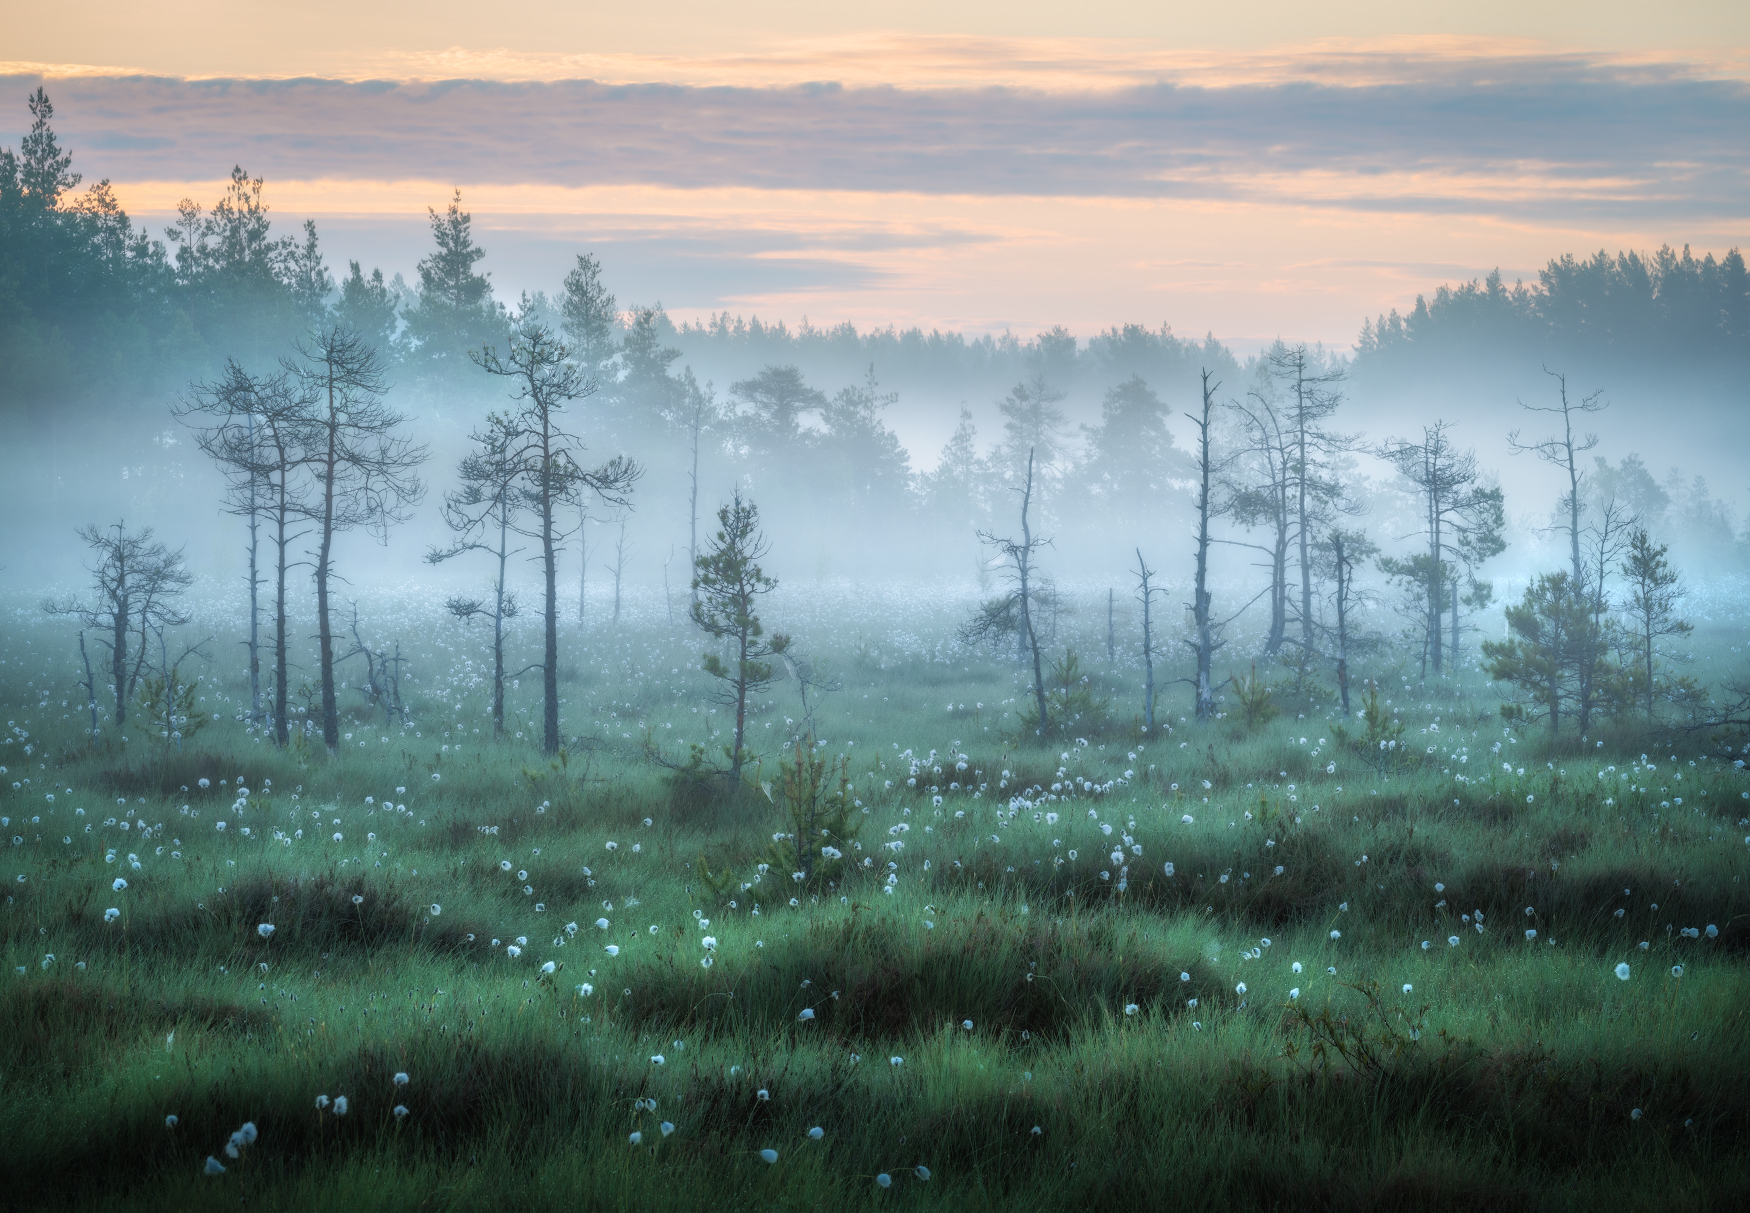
point(885, 454)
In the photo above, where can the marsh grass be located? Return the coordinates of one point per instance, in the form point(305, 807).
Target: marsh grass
point(1103, 994)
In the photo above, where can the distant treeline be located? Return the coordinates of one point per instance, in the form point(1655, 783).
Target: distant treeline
point(1666, 309)
point(98, 313)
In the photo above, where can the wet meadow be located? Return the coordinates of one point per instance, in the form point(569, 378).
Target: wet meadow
point(1412, 958)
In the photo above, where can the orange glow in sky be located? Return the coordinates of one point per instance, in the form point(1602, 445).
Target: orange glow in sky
point(1258, 171)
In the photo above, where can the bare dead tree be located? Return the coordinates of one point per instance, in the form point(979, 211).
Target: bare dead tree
point(1343, 550)
point(1145, 592)
point(1316, 493)
point(1111, 632)
point(1256, 487)
point(135, 582)
point(1345, 578)
point(1563, 451)
point(582, 556)
point(667, 600)
point(702, 407)
point(621, 555)
point(1205, 644)
point(222, 414)
point(479, 514)
point(1020, 556)
point(382, 685)
point(365, 473)
point(544, 381)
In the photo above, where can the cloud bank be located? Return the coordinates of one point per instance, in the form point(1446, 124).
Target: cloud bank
point(1531, 138)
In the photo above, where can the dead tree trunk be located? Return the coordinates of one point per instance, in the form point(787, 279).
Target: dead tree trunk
point(1204, 646)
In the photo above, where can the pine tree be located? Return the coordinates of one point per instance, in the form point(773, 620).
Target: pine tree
point(1553, 652)
point(1654, 589)
point(454, 312)
point(589, 314)
point(729, 582)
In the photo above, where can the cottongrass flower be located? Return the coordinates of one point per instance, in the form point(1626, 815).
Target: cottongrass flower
point(1530, 934)
point(1634, 1114)
point(705, 962)
point(769, 1156)
point(1295, 967)
point(1186, 819)
point(807, 1013)
point(1452, 941)
point(549, 968)
point(401, 1079)
point(762, 1094)
point(513, 951)
point(119, 884)
point(1336, 934)
point(1408, 987)
point(896, 1061)
point(657, 1059)
point(1294, 993)
point(213, 1167)
point(816, 1133)
point(967, 1024)
point(709, 943)
point(921, 1171)
point(613, 949)
point(601, 924)
point(244, 1136)
point(1184, 977)
point(1622, 971)
point(358, 899)
point(340, 1105)
point(667, 1127)
point(170, 1121)
point(1130, 1008)
point(1240, 989)
point(400, 1110)
point(884, 1179)
point(111, 914)
point(436, 909)
point(1712, 931)
point(585, 990)
point(634, 1138)
point(1677, 970)
point(321, 1102)
point(1038, 1131)
point(264, 930)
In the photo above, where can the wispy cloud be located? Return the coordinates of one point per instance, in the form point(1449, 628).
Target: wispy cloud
point(1521, 136)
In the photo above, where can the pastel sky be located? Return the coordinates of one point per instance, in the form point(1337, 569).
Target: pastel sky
point(1252, 169)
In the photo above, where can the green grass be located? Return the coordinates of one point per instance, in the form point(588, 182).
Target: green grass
point(1508, 1074)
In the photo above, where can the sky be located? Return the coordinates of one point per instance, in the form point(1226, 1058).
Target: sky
point(1252, 169)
